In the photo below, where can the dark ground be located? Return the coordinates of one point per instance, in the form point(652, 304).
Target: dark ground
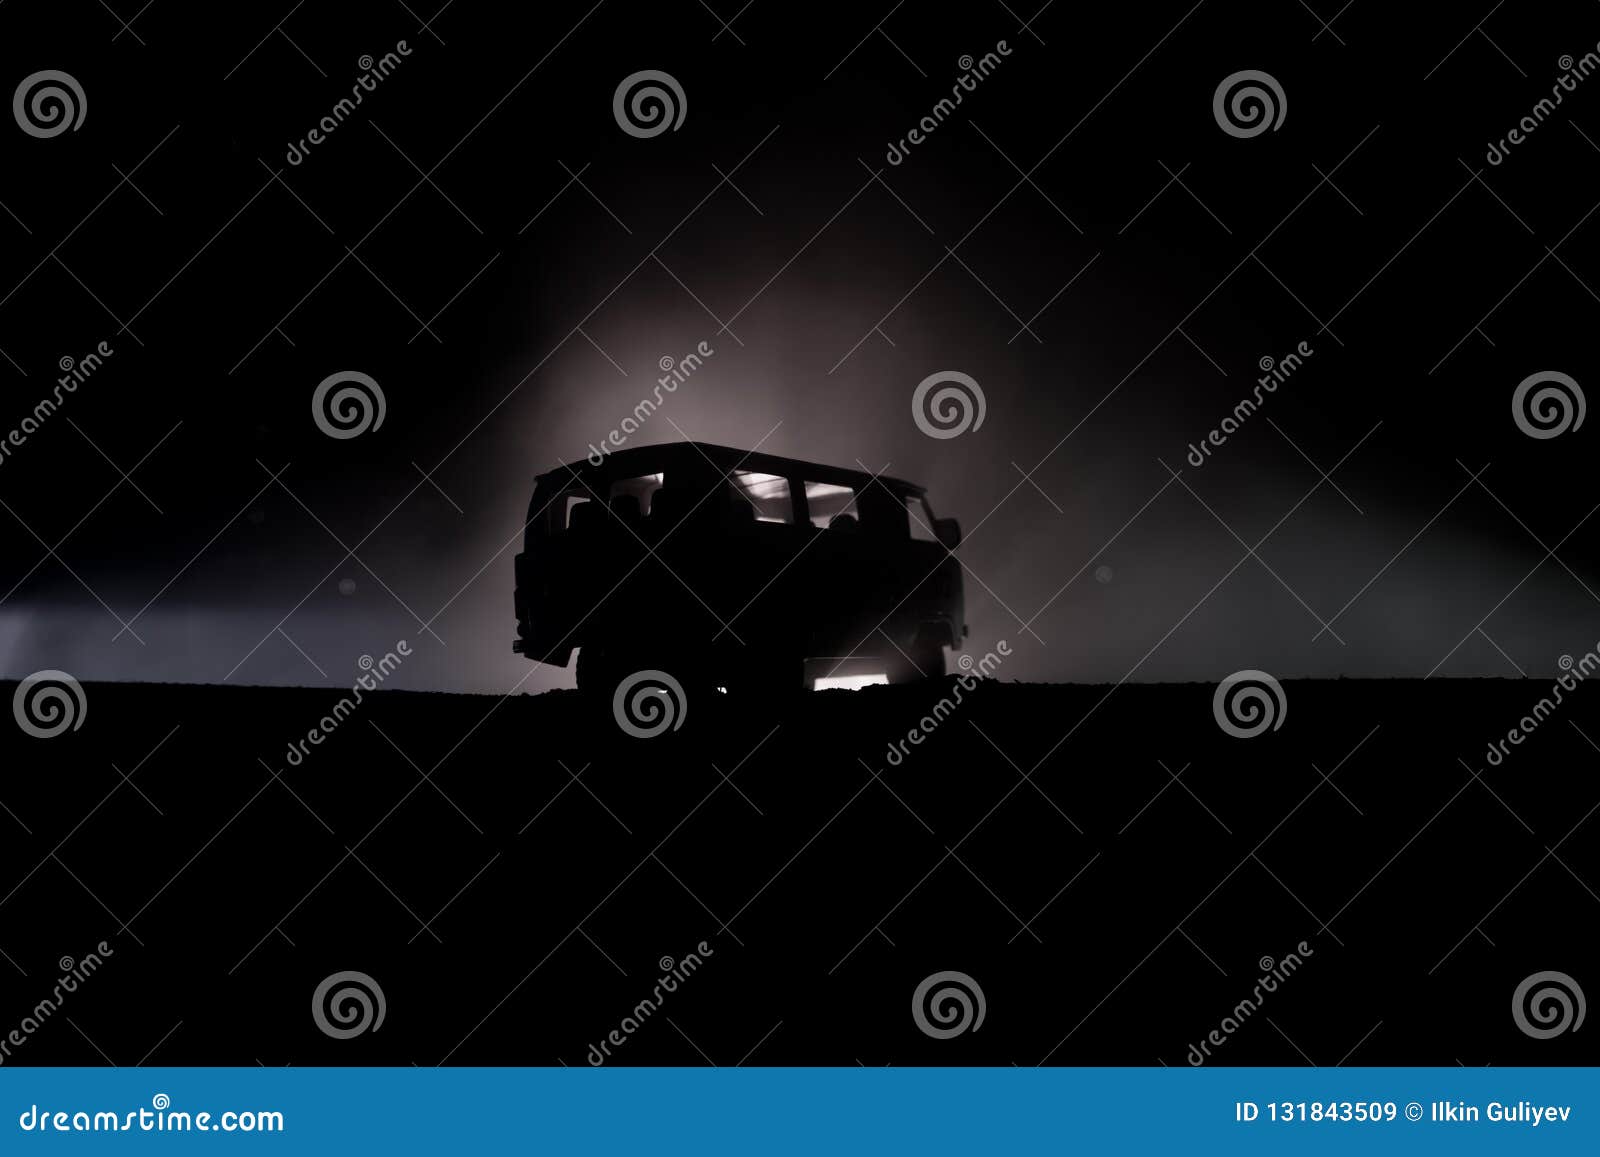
point(512, 916)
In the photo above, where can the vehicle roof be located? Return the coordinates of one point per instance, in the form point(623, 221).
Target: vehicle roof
point(661, 456)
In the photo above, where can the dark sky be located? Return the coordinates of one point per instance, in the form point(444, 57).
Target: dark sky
point(1080, 236)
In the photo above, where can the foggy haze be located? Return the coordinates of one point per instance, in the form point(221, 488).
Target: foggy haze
point(1111, 313)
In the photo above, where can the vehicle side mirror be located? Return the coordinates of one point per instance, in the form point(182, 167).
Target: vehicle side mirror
point(947, 531)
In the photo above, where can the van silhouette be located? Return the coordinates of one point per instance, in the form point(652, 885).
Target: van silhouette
point(734, 569)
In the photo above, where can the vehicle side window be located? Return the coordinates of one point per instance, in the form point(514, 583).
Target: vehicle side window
point(828, 502)
point(640, 490)
point(767, 494)
point(921, 519)
point(569, 507)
